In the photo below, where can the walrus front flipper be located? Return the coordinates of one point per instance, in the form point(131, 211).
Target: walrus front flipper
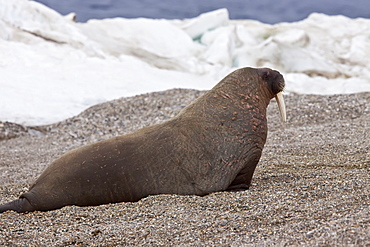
point(20, 205)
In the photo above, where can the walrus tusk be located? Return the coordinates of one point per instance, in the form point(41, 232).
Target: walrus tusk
point(281, 104)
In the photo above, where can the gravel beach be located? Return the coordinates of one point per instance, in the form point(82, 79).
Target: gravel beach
point(311, 186)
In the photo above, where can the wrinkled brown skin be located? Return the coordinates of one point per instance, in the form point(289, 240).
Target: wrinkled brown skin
point(212, 145)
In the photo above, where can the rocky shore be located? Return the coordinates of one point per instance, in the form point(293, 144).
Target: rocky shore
point(311, 187)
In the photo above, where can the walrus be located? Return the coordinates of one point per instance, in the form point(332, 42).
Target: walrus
point(214, 144)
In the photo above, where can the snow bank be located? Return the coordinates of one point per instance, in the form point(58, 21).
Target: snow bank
point(52, 68)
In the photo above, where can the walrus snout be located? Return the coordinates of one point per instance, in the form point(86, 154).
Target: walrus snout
point(275, 82)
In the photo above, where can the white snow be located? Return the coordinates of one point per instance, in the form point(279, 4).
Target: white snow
point(52, 68)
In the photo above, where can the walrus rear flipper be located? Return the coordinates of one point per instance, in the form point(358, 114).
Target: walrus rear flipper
point(20, 205)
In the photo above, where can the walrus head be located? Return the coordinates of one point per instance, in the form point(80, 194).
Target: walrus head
point(246, 89)
point(275, 84)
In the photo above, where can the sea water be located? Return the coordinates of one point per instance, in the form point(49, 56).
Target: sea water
point(267, 11)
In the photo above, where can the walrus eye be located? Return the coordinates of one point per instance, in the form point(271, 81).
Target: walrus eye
point(265, 75)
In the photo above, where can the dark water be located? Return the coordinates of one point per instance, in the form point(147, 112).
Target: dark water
point(268, 11)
